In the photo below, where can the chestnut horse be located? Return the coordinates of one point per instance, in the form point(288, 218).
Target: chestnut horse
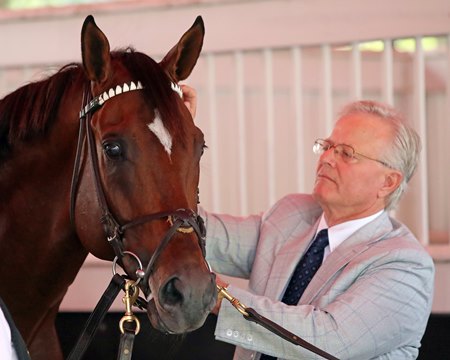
point(76, 182)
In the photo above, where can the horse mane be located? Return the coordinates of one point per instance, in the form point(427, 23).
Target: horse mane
point(31, 110)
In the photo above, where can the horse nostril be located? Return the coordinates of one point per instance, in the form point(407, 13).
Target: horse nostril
point(170, 294)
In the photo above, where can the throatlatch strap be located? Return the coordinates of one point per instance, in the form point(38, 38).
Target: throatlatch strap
point(96, 317)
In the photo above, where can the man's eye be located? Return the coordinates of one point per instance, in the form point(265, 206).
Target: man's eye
point(347, 154)
point(112, 150)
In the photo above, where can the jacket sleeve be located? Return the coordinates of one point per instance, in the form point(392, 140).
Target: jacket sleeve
point(231, 243)
point(379, 305)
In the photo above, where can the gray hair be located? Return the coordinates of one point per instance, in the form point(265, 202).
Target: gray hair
point(404, 152)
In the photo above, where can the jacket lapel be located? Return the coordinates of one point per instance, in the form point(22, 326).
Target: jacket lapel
point(286, 260)
point(345, 252)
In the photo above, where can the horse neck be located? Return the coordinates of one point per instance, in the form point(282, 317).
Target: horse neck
point(34, 209)
point(43, 163)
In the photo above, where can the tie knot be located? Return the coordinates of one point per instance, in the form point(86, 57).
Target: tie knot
point(321, 240)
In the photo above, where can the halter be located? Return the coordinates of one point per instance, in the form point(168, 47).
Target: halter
point(181, 220)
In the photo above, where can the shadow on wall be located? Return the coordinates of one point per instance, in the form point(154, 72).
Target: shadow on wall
point(200, 344)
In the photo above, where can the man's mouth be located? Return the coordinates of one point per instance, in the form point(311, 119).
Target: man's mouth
point(323, 176)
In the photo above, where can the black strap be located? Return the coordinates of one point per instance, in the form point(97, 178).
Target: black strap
point(126, 345)
point(76, 171)
point(96, 317)
point(16, 338)
point(285, 334)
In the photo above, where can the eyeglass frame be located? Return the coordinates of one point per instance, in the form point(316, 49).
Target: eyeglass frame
point(322, 149)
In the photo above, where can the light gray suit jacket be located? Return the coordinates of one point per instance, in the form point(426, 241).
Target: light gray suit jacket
point(370, 299)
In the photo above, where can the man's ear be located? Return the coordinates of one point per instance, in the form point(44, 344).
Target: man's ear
point(392, 180)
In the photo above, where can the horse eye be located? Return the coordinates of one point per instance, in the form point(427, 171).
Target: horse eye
point(112, 150)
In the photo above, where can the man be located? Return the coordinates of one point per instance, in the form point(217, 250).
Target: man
point(371, 295)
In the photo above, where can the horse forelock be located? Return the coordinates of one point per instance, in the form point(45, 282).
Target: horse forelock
point(157, 89)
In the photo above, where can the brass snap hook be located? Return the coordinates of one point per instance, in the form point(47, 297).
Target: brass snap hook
point(130, 297)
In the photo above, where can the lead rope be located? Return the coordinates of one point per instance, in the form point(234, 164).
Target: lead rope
point(251, 315)
point(96, 317)
point(118, 282)
point(128, 333)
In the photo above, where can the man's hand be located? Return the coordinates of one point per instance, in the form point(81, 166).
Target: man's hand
point(190, 99)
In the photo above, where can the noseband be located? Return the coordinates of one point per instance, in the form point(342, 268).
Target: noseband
point(181, 220)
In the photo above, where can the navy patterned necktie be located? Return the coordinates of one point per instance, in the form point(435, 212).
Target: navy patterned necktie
point(304, 272)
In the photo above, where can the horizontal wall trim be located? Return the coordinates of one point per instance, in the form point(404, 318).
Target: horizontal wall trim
point(275, 23)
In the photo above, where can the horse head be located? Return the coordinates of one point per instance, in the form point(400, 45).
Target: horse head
point(139, 175)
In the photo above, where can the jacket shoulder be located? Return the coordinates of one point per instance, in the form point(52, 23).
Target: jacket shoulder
point(294, 208)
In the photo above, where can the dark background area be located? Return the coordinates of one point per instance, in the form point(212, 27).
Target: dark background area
point(149, 344)
point(200, 345)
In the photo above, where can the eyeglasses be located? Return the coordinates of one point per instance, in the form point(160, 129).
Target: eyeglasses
point(343, 151)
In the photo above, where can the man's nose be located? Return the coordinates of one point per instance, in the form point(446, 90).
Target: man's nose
point(329, 156)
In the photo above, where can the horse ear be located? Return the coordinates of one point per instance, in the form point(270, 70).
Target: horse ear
point(181, 59)
point(95, 51)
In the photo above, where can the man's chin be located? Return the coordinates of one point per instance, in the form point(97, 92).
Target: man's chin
point(318, 190)
point(320, 194)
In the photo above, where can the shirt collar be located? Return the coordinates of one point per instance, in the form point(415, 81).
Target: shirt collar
point(340, 232)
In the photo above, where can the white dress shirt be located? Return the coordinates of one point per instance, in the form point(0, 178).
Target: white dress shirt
point(340, 232)
point(7, 351)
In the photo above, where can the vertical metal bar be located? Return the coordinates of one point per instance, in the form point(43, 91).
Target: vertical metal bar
point(215, 183)
point(388, 73)
point(240, 101)
point(299, 120)
point(269, 90)
point(419, 103)
point(327, 88)
point(356, 72)
point(447, 126)
point(387, 91)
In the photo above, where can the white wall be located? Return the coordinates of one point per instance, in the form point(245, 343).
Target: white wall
point(245, 37)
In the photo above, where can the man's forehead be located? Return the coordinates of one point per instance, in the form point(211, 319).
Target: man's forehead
point(361, 128)
point(362, 122)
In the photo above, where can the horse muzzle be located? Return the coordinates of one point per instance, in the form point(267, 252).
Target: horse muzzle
point(183, 302)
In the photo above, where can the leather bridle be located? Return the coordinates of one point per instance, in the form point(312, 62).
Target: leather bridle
point(181, 220)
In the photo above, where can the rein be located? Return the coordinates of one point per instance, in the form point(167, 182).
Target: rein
point(180, 220)
point(250, 314)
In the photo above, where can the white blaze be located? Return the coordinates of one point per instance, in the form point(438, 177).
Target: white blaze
point(157, 127)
